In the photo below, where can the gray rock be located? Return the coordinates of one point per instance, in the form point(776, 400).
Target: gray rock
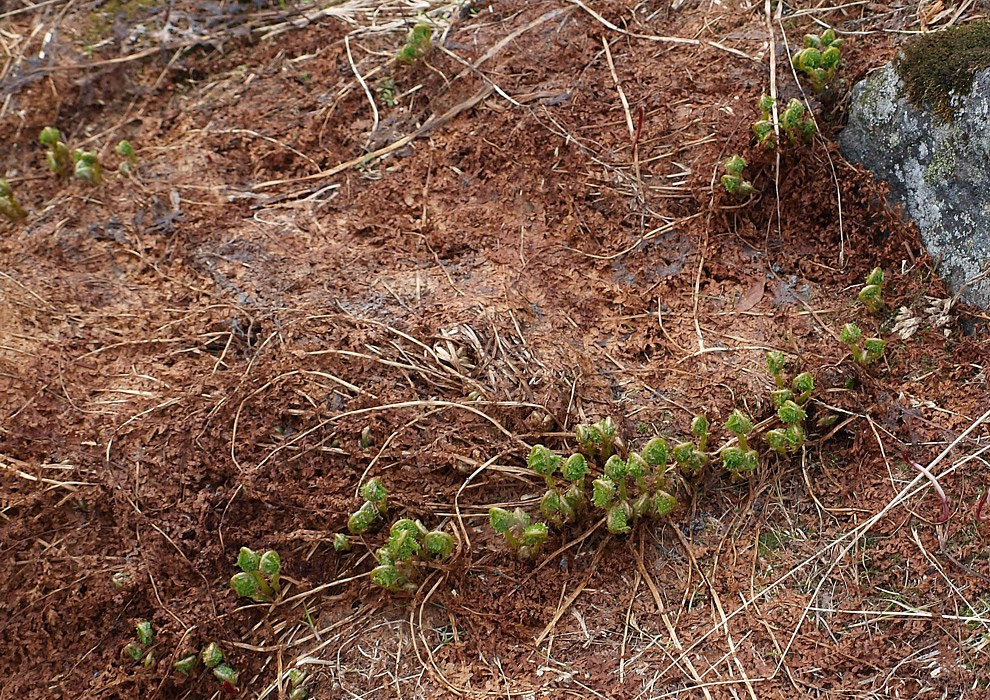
point(939, 170)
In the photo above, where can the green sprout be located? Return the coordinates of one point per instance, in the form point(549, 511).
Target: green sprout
point(297, 680)
point(386, 92)
point(8, 203)
point(819, 58)
point(559, 508)
point(733, 180)
point(186, 664)
point(864, 351)
point(341, 542)
point(372, 511)
point(227, 676)
point(367, 439)
point(791, 437)
point(803, 386)
point(87, 167)
point(739, 460)
point(775, 366)
point(795, 123)
point(408, 540)
point(699, 428)
point(57, 156)
point(140, 651)
point(213, 658)
point(417, 43)
point(120, 580)
point(871, 295)
point(763, 127)
point(689, 459)
point(523, 536)
point(212, 655)
point(598, 439)
point(614, 492)
point(258, 578)
point(125, 150)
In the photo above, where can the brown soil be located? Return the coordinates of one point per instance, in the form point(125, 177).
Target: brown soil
point(188, 357)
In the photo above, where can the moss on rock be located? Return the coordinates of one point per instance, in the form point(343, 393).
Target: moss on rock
point(937, 66)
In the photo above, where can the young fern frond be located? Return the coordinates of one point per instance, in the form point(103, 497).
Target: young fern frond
point(9, 206)
point(258, 577)
point(87, 167)
point(871, 295)
point(733, 181)
point(523, 536)
point(864, 351)
point(417, 43)
point(819, 58)
point(57, 156)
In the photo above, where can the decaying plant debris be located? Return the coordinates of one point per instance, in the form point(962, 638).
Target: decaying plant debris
point(401, 244)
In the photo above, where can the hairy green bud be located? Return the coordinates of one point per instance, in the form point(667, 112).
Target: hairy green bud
point(775, 363)
point(341, 542)
point(270, 564)
point(244, 584)
point(225, 674)
point(542, 461)
point(615, 468)
point(186, 664)
point(663, 504)
point(636, 466)
point(248, 560)
point(145, 632)
point(363, 519)
point(850, 334)
point(791, 413)
point(603, 492)
point(500, 519)
point(534, 535)
point(739, 423)
point(375, 492)
point(617, 519)
point(656, 452)
point(778, 397)
point(212, 655)
point(575, 468)
point(438, 544)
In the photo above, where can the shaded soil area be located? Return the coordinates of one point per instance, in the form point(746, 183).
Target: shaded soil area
point(463, 257)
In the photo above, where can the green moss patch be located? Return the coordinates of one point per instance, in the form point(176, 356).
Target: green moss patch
point(937, 66)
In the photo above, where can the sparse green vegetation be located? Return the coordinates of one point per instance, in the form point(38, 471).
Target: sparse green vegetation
point(258, 577)
point(57, 156)
point(864, 351)
point(733, 181)
point(763, 127)
point(560, 508)
point(819, 58)
point(9, 206)
point(87, 167)
point(125, 150)
point(740, 459)
point(297, 684)
point(374, 509)
point(141, 651)
point(795, 123)
point(871, 295)
point(596, 440)
point(523, 536)
point(417, 43)
point(634, 488)
point(408, 541)
point(790, 438)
